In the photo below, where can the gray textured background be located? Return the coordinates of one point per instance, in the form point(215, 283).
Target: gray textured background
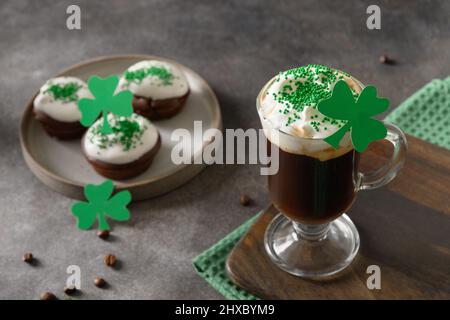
point(236, 46)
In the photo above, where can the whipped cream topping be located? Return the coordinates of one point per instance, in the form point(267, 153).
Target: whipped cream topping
point(58, 98)
point(288, 103)
point(154, 79)
point(291, 99)
point(132, 137)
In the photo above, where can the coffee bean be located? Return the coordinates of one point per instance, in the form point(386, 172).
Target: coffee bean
point(244, 200)
point(385, 59)
point(99, 282)
point(48, 296)
point(27, 257)
point(70, 290)
point(103, 234)
point(110, 260)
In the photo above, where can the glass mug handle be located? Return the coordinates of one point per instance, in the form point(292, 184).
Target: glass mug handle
point(388, 172)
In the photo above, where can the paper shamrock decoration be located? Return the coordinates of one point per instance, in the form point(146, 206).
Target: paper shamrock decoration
point(100, 204)
point(105, 100)
point(341, 105)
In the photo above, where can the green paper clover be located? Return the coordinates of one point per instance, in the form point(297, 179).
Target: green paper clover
point(100, 204)
point(104, 101)
point(358, 114)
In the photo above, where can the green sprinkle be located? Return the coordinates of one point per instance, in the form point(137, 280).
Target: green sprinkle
point(164, 75)
point(308, 85)
point(126, 132)
point(64, 92)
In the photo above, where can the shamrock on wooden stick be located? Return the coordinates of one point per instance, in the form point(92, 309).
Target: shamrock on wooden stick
point(105, 100)
point(100, 204)
point(358, 114)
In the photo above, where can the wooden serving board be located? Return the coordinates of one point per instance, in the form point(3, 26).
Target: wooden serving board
point(404, 229)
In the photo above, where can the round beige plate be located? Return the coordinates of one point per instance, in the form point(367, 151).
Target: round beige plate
point(61, 165)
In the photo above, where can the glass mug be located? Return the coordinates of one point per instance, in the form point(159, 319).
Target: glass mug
point(312, 237)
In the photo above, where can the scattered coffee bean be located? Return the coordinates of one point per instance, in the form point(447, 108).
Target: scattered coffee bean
point(103, 234)
point(70, 290)
point(110, 260)
point(48, 296)
point(99, 282)
point(244, 200)
point(28, 257)
point(385, 59)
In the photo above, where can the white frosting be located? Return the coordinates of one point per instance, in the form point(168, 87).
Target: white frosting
point(300, 136)
point(64, 111)
point(116, 153)
point(152, 86)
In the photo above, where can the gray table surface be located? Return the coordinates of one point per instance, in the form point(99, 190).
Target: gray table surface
point(236, 46)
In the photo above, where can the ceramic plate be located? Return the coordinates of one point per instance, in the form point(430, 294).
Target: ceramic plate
point(61, 165)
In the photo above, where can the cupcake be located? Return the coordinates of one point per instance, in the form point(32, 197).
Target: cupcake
point(55, 107)
point(160, 88)
point(126, 152)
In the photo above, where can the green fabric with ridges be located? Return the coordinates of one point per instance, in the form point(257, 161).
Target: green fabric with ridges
point(210, 265)
point(426, 115)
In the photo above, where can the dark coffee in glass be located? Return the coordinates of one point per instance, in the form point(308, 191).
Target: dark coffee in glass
point(310, 191)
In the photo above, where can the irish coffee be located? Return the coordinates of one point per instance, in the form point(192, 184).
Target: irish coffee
point(315, 184)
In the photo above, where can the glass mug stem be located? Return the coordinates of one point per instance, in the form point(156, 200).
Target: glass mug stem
point(389, 171)
point(311, 232)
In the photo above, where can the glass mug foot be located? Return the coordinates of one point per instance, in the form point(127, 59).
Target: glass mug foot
point(312, 251)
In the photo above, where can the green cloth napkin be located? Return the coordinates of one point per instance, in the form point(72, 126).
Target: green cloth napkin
point(426, 115)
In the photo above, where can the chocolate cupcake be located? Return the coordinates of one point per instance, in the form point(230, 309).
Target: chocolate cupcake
point(55, 107)
point(160, 88)
point(126, 152)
